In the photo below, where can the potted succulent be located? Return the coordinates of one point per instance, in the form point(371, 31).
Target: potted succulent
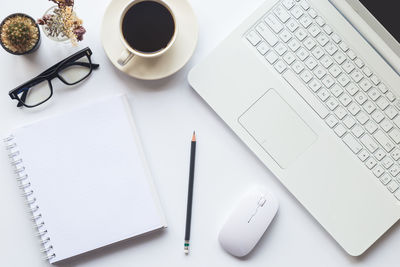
point(60, 22)
point(19, 34)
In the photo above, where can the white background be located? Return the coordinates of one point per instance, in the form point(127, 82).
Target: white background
point(167, 111)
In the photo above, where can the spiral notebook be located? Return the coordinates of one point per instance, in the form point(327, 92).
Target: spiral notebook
point(85, 178)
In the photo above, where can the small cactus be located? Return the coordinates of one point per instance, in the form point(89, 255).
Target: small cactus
point(19, 34)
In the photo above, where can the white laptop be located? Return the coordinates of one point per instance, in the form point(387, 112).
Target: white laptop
point(313, 89)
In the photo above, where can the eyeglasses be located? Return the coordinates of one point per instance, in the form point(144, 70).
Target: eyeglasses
point(70, 71)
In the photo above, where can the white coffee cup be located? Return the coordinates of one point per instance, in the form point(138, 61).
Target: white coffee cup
point(129, 52)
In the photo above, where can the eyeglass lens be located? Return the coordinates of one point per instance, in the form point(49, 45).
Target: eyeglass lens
point(73, 72)
point(35, 94)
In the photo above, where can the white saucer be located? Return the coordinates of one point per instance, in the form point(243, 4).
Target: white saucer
point(154, 68)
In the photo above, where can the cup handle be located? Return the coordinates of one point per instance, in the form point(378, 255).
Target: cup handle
point(125, 57)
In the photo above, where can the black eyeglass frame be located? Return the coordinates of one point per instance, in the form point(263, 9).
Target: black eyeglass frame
point(51, 73)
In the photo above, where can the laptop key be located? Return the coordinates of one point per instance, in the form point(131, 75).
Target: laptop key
point(263, 48)
point(362, 117)
point(395, 135)
point(367, 71)
point(274, 23)
point(306, 76)
point(299, 67)
point(323, 94)
point(370, 163)
point(320, 72)
point(352, 143)
point(253, 38)
point(272, 57)
point(363, 155)
point(371, 127)
point(378, 171)
point(292, 25)
point(280, 66)
point(288, 3)
point(384, 141)
point(305, 5)
point(386, 125)
point(281, 13)
point(348, 66)
point(344, 46)
point(391, 112)
point(328, 29)
point(373, 94)
point(294, 45)
point(289, 58)
point(380, 154)
point(369, 143)
point(328, 81)
point(374, 78)
point(281, 49)
point(349, 122)
point(340, 112)
point(297, 12)
point(331, 121)
point(312, 13)
point(267, 34)
point(396, 154)
point(336, 38)
point(306, 21)
point(309, 43)
point(285, 36)
point(394, 170)
point(302, 54)
point(314, 30)
point(387, 162)
point(345, 100)
point(385, 179)
point(390, 96)
point(320, 21)
point(378, 116)
point(314, 85)
point(340, 130)
point(358, 131)
point(392, 186)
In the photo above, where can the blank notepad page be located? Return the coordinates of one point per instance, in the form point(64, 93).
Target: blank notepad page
point(89, 178)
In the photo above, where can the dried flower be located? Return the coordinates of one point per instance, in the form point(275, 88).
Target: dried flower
point(63, 22)
point(63, 3)
point(79, 32)
point(19, 34)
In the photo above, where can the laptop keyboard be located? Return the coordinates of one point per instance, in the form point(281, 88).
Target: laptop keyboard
point(337, 84)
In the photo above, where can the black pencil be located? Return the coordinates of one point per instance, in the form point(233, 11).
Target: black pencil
point(190, 193)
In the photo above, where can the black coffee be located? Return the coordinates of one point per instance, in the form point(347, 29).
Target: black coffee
point(148, 27)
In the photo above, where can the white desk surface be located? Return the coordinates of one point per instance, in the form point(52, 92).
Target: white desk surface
point(167, 111)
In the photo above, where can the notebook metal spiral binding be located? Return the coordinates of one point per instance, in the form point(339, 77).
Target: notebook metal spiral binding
point(28, 194)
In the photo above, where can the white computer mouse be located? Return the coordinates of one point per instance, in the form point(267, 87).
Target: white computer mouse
point(247, 223)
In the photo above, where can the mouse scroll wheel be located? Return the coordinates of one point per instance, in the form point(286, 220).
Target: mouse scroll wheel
point(262, 201)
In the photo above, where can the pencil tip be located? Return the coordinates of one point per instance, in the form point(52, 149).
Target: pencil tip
point(194, 136)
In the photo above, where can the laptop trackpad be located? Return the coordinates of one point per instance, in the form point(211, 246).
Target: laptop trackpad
point(277, 128)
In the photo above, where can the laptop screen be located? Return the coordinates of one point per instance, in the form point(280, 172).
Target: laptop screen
point(387, 13)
